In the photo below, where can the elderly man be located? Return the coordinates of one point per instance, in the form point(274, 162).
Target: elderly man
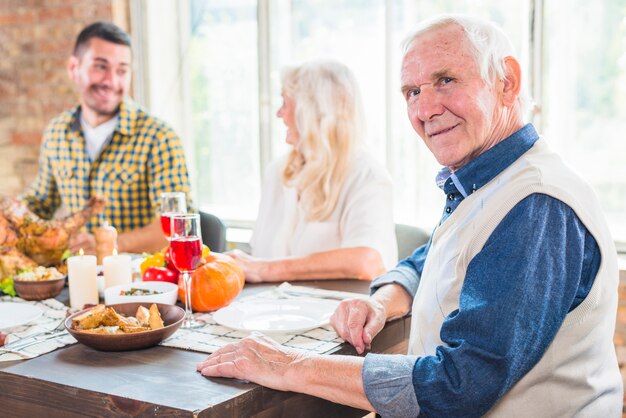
point(515, 310)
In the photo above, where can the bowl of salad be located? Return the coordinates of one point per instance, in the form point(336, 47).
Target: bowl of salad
point(142, 292)
point(39, 283)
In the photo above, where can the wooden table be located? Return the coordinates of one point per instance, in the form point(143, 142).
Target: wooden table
point(161, 381)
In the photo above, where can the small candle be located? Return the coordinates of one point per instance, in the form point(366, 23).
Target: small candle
point(117, 270)
point(82, 278)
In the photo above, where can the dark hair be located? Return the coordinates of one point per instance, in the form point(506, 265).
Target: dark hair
point(103, 30)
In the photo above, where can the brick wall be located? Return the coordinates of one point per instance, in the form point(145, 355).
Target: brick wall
point(36, 39)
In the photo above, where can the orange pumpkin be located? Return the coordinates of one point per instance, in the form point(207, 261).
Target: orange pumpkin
point(214, 284)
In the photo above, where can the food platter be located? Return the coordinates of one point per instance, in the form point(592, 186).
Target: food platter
point(172, 316)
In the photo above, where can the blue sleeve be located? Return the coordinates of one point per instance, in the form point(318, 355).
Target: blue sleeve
point(387, 380)
point(407, 273)
point(508, 282)
point(538, 263)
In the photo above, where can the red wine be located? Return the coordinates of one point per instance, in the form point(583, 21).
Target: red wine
point(165, 224)
point(186, 252)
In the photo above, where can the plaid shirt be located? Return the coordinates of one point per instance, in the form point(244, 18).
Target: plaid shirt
point(143, 158)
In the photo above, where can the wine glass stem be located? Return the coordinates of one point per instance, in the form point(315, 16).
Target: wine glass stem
point(188, 310)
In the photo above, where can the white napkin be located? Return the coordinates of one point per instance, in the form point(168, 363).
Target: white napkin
point(291, 290)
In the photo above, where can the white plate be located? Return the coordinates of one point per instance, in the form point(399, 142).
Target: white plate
point(277, 315)
point(14, 314)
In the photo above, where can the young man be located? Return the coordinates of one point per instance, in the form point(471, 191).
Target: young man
point(108, 146)
point(515, 310)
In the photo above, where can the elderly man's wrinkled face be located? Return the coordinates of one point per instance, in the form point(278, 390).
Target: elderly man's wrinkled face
point(449, 105)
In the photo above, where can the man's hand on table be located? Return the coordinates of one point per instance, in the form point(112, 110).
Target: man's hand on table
point(358, 321)
point(83, 240)
point(256, 358)
point(261, 360)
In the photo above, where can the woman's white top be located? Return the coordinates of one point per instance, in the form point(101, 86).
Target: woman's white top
point(363, 216)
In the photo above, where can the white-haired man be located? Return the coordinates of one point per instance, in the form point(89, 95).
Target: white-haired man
point(515, 309)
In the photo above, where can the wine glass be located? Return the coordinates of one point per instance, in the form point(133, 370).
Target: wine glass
point(172, 203)
point(186, 252)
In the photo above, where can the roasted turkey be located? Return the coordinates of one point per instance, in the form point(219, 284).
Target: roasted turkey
point(27, 241)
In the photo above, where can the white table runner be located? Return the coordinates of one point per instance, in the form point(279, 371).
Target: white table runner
point(206, 339)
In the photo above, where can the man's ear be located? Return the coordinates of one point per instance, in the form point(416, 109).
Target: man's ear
point(72, 68)
point(512, 83)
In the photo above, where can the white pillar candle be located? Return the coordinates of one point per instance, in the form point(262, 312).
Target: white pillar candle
point(83, 282)
point(117, 270)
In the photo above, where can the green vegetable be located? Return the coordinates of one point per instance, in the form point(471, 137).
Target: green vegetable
point(66, 254)
point(6, 286)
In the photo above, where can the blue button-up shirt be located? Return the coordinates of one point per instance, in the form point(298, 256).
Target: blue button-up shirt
point(538, 265)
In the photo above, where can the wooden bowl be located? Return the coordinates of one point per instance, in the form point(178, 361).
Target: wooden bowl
point(38, 290)
point(172, 316)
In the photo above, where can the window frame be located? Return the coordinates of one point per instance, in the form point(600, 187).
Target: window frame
point(178, 108)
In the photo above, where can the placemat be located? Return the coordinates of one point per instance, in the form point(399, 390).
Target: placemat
point(53, 313)
point(213, 336)
point(206, 339)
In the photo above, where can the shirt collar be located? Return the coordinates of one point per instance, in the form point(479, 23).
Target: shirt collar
point(478, 172)
point(127, 118)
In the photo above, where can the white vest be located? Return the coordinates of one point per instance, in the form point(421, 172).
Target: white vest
point(578, 375)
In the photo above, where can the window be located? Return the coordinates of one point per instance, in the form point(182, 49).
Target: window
point(584, 110)
point(232, 52)
point(225, 106)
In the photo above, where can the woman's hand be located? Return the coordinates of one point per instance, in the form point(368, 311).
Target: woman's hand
point(253, 268)
point(358, 321)
point(256, 358)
